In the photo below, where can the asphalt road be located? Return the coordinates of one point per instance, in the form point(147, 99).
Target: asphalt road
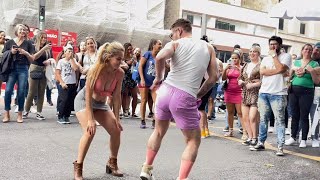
point(39, 150)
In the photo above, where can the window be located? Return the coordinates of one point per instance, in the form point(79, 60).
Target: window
point(225, 26)
point(190, 18)
point(281, 22)
point(224, 56)
point(302, 28)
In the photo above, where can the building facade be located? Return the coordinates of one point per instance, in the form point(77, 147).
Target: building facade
point(242, 22)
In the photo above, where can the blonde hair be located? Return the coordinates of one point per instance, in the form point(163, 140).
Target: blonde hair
point(38, 43)
point(94, 42)
point(106, 51)
point(16, 28)
point(257, 48)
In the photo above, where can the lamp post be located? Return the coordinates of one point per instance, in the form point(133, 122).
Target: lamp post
point(42, 14)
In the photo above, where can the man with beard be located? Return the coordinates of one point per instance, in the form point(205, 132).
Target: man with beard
point(273, 93)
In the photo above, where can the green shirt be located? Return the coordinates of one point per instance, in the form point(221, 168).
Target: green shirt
point(306, 79)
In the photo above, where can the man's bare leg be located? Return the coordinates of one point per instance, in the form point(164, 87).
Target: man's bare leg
point(193, 140)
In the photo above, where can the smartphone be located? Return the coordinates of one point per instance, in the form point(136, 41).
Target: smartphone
point(232, 62)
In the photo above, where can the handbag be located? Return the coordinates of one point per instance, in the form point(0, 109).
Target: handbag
point(36, 74)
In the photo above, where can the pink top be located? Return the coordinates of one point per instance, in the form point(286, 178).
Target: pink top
point(99, 88)
point(233, 92)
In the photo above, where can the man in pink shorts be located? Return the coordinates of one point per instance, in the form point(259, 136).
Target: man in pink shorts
point(178, 94)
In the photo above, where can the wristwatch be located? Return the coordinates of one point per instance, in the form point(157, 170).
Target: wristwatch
point(273, 55)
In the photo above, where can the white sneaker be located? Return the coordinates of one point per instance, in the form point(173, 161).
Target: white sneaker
point(290, 142)
point(315, 143)
point(303, 144)
point(40, 117)
point(270, 130)
point(146, 172)
point(287, 131)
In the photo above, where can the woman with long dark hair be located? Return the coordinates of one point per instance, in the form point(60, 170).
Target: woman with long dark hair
point(129, 85)
point(147, 75)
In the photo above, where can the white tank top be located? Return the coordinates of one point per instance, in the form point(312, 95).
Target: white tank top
point(188, 65)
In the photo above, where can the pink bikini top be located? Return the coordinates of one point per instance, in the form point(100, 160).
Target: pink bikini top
point(99, 88)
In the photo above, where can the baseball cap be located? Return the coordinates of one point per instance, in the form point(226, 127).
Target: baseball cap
point(317, 45)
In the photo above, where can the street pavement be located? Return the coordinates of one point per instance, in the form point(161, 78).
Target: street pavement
point(41, 150)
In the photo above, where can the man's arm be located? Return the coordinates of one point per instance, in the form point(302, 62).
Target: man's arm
point(166, 53)
point(280, 68)
point(212, 71)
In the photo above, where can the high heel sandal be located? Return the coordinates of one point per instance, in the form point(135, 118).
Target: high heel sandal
point(112, 168)
point(77, 170)
point(5, 120)
point(229, 134)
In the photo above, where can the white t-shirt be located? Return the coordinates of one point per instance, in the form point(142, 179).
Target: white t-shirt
point(88, 61)
point(68, 75)
point(275, 84)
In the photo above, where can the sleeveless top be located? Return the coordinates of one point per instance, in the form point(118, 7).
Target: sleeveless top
point(188, 65)
point(99, 88)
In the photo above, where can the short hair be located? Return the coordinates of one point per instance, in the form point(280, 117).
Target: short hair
point(276, 38)
point(256, 44)
point(17, 27)
point(185, 24)
point(204, 38)
point(257, 48)
point(237, 46)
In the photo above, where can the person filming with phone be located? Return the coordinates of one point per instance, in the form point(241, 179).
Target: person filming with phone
point(37, 79)
point(21, 51)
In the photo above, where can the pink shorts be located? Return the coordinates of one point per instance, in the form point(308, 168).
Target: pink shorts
point(174, 103)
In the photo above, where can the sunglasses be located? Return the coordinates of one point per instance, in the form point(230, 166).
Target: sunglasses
point(171, 34)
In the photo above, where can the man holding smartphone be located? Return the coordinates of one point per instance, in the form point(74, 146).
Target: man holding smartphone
point(273, 93)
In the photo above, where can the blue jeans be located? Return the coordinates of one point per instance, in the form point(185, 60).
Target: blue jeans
point(48, 94)
point(312, 112)
point(20, 75)
point(268, 103)
point(213, 95)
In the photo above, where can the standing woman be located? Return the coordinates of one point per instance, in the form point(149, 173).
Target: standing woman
point(2, 42)
point(147, 75)
point(301, 95)
point(82, 50)
point(37, 85)
point(232, 94)
point(89, 58)
point(103, 80)
point(22, 53)
point(250, 83)
point(129, 85)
